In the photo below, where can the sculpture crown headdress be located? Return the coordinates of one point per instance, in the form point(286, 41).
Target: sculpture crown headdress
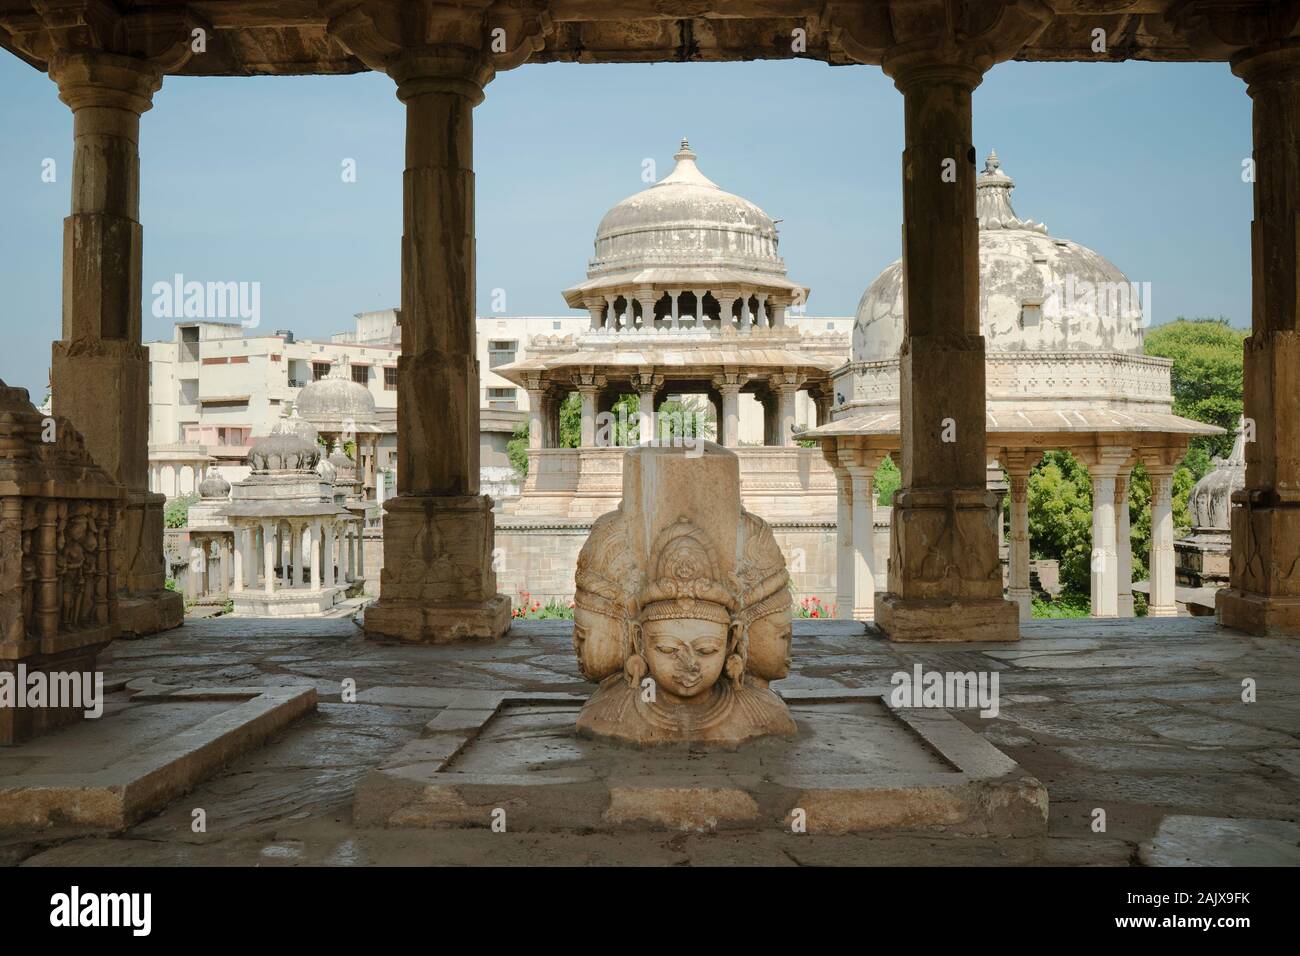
point(683, 580)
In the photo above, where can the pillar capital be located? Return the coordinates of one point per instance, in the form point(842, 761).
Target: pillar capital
point(436, 46)
point(728, 382)
point(96, 78)
point(1105, 461)
point(946, 41)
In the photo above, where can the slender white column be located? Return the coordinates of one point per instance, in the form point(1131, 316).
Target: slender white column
point(1019, 463)
point(672, 296)
point(536, 426)
point(778, 316)
point(699, 308)
point(864, 577)
point(1104, 559)
point(349, 573)
point(268, 557)
point(1123, 548)
point(611, 314)
point(223, 562)
point(327, 553)
point(294, 569)
point(745, 319)
point(844, 557)
point(316, 557)
point(361, 550)
point(760, 318)
point(1162, 599)
point(588, 431)
point(238, 583)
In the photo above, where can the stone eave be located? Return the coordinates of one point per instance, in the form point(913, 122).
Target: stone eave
point(1003, 421)
point(695, 361)
point(289, 37)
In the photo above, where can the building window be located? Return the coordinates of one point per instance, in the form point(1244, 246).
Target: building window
point(556, 325)
point(501, 398)
point(501, 352)
point(390, 380)
point(319, 370)
point(361, 374)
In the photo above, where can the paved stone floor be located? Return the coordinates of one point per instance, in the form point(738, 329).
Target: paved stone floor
point(1140, 718)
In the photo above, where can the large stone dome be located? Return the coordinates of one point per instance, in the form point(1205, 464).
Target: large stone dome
point(685, 220)
point(336, 399)
point(1037, 292)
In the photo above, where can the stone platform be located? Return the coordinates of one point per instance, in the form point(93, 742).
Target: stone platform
point(1140, 717)
point(152, 744)
point(856, 765)
point(287, 602)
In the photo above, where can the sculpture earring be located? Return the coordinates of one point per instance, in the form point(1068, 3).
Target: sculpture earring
point(635, 667)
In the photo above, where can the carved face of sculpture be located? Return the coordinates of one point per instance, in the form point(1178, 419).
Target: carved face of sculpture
point(769, 645)
point(598, 643)
point(685, 656)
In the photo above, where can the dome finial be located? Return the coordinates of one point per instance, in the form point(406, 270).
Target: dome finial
point(684, 151)
point(992, 163)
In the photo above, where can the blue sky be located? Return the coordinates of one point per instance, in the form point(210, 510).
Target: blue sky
point(240, 180)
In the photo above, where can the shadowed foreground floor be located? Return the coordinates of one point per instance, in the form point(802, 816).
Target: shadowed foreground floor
point(1141, 718)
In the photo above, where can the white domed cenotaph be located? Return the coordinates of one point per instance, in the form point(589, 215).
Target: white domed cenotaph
point(1064, 369)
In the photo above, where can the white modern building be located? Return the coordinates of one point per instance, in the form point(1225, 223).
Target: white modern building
point(215, 386)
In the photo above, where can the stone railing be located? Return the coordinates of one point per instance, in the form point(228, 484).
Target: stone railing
point(1030, 377)
point(777, 483)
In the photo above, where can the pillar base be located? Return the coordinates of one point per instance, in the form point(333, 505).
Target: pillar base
point(1023, 599)
point(23, 723)
point(1259, 614)
point(150, 612)
point(956, 620)
point(437, 585)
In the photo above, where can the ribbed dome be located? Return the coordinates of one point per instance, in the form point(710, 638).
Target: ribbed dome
point(1037, 292)
point(685, 219)
point(336, 398)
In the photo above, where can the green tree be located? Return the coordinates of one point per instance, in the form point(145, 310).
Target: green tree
point(1206, 377)
point(177, 513)
point(888, 480)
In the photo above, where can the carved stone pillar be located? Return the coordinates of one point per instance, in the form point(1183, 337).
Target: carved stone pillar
point(728, 384)
point(238, 583)
point(317, 558)
point(861, 464)
point(945, 538)
point(99, 370)
point(536, 421)
point(588, 389)
point(1123, 546)
point(1019, 462)
point(268, 557)
point(844, 557)
point(646, 384)
point(1105, 465)
point(1162, 597)
point(438, 584)
point(1263, 596)
point(786, 388)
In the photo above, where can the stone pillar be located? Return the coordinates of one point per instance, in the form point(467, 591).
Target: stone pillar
point(99, 370)
point(536, 423)
point(588, 432)
point(861, 469)
point(238, 583)
point(1263, 596)
point(844, 557)
point(745, 320)
point(778, 316)
point(1104, 464)
point(646, 382)
point(596, 310)
point(674, 295)
point(1162, 600)
point(317, 562)
point(786, 391)
point(268, 557)
point(611, 312)
point(946, 566)
point(1019, 462)
point(1123, 546)
point(361, 551)
point(294, 570)
point(728, 384)
point(699, 308)
point(327, 552)
point(760, 317)
point(438, 584)
point(223, 550)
